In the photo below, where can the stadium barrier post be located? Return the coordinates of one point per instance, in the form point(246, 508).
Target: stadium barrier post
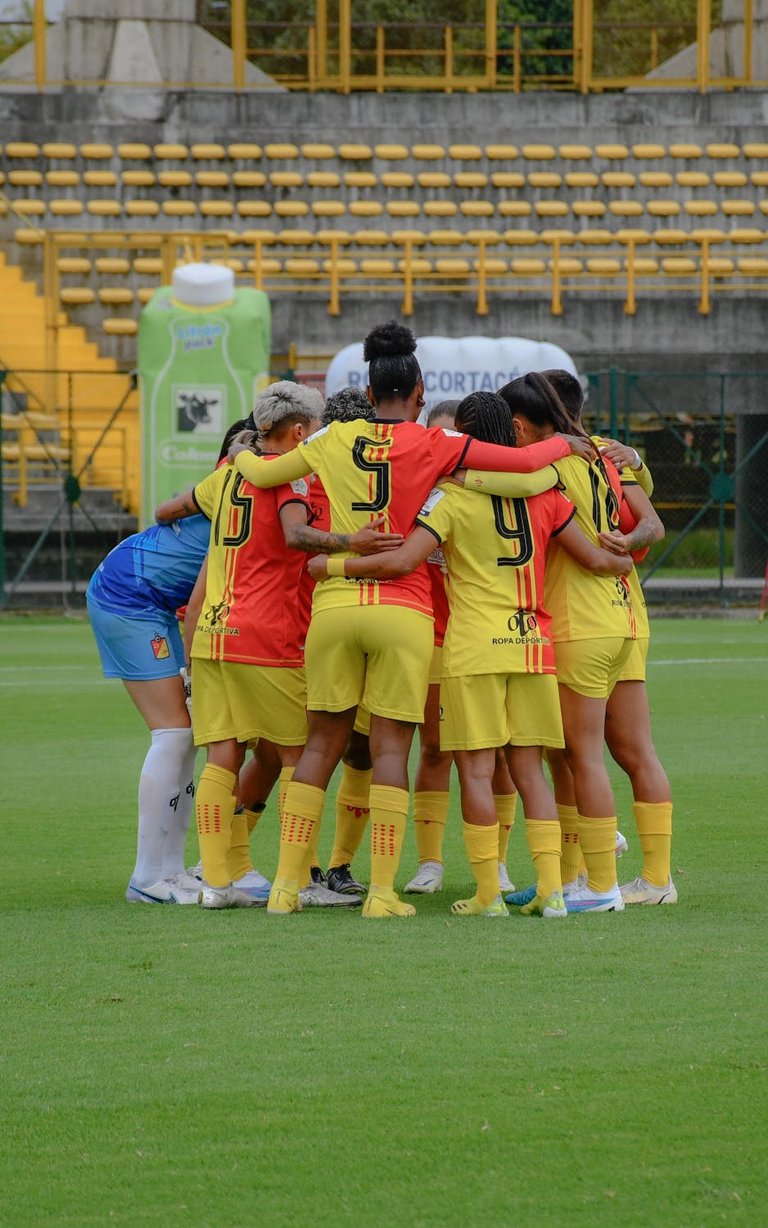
point(448, 50)
point(321, 41)
point(334, 308)
point(239, 43)
point(630, 306)
point(704, 301)
point(703, 25)
point(587, 31)
point(517, 58)
point(748, 31)
point(51, 348)
point(345, 44)
point(380, 60)
point(40, 49)
point(408, 277)
point(481, 307)
point(557, 298)
point(311, 59)
point(577, 40)
point(491, 29)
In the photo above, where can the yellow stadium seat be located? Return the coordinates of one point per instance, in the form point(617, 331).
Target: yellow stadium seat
point(391, 153)
point(446, 238)
point(477, 208)
point(433, 179)
point(323, 179)
point(514, 208)
point(402, 237)
point(137, 179)
point(281, 152)
point(643, 266)
point(142, 208)
point(217, 208)
point(65, 208)
point(59, 150)
point(427, 153)
point(25, 179)
point(597, 237)
point(685, 151)
point(62, 179)
point(397, 179)
point(366, 208)
point(508, 179)
point(344, 266)
point(568, 266)
point(707, 234)
point(730, 179)
point(738, 208)
point(663, 208)
point(377, 268)
point(208, 152)
point(746, 234)
point(492, 266)
point(440, 208)
point(112, 265)
point(544, 179)
point(538, 153)
point(25, 236)
point(648, 151)
point(328, 208)
point(22, 149)
point(213, 179)
point(700, 208)
point(104, 208)
point(76, 296)
point(551, 208)
point(418, 265)
point(465, 153)
point(754, 266)
point(97, 152)
point(669, 236)
point(625, 208)
point(523, 267)
point(286, 179)
point(174, 179)
point(301, 266)
point(403, 208)
point(559, 235)
point(575, 153)
point(134, 152)
point(318, 152)
point(447, 267)
point(360, 179)
point(763, 206)
point(692, 179)
point(612, 153)
point(291, 208)
point(115, 327)
point(581, 179)
point(759, 179)
point(148, 265)
point(520, 238)
point(721, 266)
point(171, 153)
point(370, 238)
point(254, 208)
point(144, 294)
point(248, 179)
point(618, 179)
point(355, 153)
point(100, 179)
point(179, 208)
point(655, 179)
point(723, 151)
point(116, 296)
point(470, 179)
point(588, 208)
point(679, 266)
point(603, 266)
point(484, 236)
point(73, 264)
point(501, 153)
point(755, 150)
point(244, 152)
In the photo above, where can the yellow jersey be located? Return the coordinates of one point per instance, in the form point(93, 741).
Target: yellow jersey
point(495, 550)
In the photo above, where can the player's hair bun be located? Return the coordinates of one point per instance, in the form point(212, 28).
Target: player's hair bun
point(390, 340)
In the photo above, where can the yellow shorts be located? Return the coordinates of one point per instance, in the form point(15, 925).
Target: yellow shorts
point(246, 702)
point(633, 669)
point(375, 655)
point(592, 667)
point(484, 710)
point(362, 721)
point(436, 665)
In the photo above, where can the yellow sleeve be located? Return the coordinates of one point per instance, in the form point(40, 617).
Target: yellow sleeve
point(643, 478)
point(512, 485)
point(266, 473)
point(206, 493)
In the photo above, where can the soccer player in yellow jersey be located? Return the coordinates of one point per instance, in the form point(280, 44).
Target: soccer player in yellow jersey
point(370, 642)
point(498, 687)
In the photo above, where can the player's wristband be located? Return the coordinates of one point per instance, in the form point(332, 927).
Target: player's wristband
point(638, 460)
point(335, 567)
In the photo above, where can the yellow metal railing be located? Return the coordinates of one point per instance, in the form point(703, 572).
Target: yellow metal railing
point(345, 56)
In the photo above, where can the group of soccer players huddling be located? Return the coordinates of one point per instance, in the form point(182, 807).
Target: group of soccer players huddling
point(350, 574)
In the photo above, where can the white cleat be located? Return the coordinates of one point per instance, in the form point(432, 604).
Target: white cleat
point(196, 871)
point(640, 891)
point(504, 880)
point(586, 900)
point(179, 889)
point(318, 896)
point(621, 845)
point(255, 885)
point(427, 880)
point(224, 897)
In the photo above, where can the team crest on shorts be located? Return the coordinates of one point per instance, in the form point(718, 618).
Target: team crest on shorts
point(160, 647)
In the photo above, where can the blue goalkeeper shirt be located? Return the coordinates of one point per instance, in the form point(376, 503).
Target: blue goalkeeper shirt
point(152, 570)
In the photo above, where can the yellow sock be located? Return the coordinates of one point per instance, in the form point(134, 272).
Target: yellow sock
point(482, 845)
point(283, 781)
point(582, 865)
point(352, 812)
point(314, 840)
point(570, 853)
point(239, 856)
point(214, 804)
point(389, 807)
point(253, 815)
point(598, 842)
point(430, 812)
point(302, 810)
point(654, 827)
point(506, 805)
point(544, 843)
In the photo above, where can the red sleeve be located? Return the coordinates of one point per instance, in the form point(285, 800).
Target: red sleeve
point(293, 492)
point(448, 449)
point(497, 459)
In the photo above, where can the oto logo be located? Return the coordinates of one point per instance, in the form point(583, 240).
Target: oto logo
point(522, 621)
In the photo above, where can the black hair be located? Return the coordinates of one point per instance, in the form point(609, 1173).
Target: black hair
point(346, 405)
point(242, 424)
point(569, 391)
point(486, 416)
point(445, 409)
point(393, 371)
point(536, 399)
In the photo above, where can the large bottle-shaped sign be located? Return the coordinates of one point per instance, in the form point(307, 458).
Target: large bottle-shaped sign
point(203, 354)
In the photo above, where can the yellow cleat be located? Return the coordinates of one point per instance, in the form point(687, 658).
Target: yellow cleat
point(283, 898)
point(474, 908)
point(381, 903)
point(552, 907)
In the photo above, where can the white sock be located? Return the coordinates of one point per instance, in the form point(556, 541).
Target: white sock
point(181, 813)
point(160, 785)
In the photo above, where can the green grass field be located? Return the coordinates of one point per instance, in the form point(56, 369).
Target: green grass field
point(169, 1066)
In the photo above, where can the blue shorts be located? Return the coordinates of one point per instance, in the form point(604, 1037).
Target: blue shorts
point(137, 649)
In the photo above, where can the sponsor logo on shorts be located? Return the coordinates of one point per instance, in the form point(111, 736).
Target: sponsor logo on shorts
point(160, 647)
